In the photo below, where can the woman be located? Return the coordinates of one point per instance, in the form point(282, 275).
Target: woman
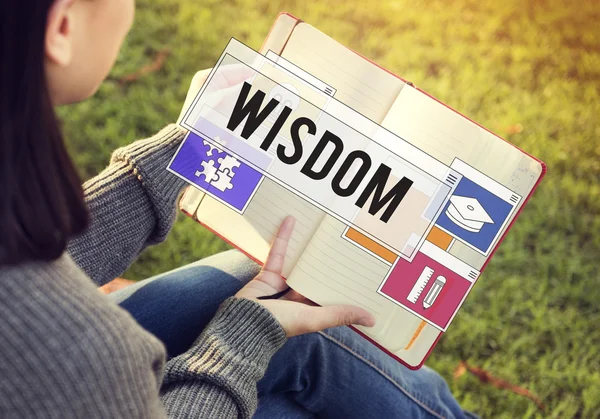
point(67, 351)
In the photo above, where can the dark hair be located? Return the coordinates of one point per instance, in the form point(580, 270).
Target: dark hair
point(41, 198)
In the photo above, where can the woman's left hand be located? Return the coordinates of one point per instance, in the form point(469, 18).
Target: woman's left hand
point(296, 314)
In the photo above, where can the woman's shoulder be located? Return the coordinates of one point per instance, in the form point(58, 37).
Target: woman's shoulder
point(59, 334)
point(53, 308)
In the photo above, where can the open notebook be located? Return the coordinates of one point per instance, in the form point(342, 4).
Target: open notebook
point(331, 263)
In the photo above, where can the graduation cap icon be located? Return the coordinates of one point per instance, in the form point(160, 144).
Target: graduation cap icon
point(468, 213)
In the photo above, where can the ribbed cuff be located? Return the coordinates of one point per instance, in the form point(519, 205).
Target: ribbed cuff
point(148, 160)
point(250, 328)
point(231, 354)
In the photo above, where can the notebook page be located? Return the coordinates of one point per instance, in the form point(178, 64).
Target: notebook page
point(191, 199)
point(333, 271)
point(360, 84)
point(254, 231)
point(320, 55)
point(446, 135)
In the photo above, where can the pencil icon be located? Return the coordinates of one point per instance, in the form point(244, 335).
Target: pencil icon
point(434, 291)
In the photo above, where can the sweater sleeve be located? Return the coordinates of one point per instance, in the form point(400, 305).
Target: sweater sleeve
point(66, 351)
point(132, 205)
point(217, 377)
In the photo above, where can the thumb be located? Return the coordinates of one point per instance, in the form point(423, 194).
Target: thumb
point(340, 315)
point(233, 74)
point(224, 99)
point(197, 82)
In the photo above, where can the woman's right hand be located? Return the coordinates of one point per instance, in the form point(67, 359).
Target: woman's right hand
point(225, 81)
point(296, 314)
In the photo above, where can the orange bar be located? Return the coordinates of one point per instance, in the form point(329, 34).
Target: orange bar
point(440, 238)
point(371, 245)
point(416, 334)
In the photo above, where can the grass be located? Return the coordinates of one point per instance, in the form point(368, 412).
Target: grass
point(528, 70)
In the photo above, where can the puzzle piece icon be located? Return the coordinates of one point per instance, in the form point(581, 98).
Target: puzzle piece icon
point(212, 148)
point(208, 170)
point(228, 163)
point(223, 181)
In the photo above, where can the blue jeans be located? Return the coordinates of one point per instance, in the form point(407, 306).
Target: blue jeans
point(331, 374)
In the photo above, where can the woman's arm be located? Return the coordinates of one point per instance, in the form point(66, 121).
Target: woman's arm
point(133, 201)
point(67, 351)
point(217, 377)
point(132, 205)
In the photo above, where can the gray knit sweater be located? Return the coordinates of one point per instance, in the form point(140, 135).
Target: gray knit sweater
point(67, 351)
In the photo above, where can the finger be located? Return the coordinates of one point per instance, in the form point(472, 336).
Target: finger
point(223, 86)
point(341, 315)
point(195, 86)
point(236, 73)
point(229, 75)
point(276, 258)
point(199, 79)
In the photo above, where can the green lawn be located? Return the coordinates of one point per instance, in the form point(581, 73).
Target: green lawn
point(528, 70)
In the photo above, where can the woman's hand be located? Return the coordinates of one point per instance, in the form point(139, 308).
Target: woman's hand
point(197, 82)
point(225, 81)
point(296, 314)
